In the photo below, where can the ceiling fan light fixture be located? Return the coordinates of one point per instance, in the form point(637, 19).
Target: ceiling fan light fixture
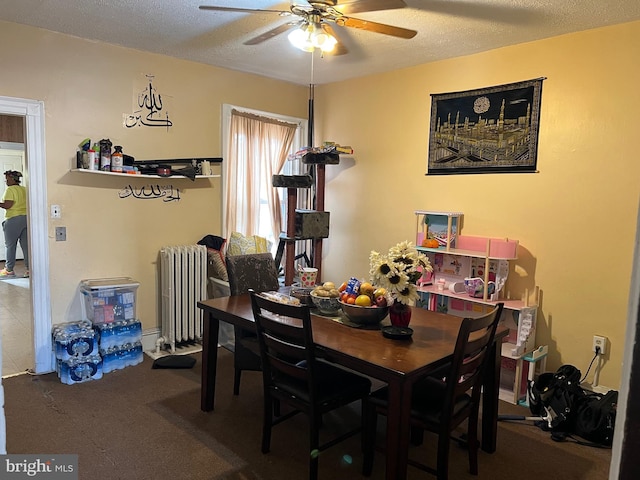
point(310, 36)
point(300, 38)
point(322, 39)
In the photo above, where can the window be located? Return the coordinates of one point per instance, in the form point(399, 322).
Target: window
point(239, 206)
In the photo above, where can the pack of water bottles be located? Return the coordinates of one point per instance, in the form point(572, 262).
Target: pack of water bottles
point(80, 369)
point(120, 344)
point(121, 356)
point(74, 339)
point(117, 334)
point(77, 353)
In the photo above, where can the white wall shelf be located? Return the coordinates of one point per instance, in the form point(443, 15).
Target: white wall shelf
point(131, 175)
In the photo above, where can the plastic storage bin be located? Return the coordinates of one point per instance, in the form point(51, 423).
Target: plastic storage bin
point(108, 300)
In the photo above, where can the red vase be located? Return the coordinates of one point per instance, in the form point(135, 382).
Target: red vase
point(400, 314)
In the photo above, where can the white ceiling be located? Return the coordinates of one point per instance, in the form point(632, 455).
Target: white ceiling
point(446, 29)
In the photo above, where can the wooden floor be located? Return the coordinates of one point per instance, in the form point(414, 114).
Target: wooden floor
point(16, 324)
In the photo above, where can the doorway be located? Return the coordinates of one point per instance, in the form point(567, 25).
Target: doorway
point(33, 113)
point(16, 323)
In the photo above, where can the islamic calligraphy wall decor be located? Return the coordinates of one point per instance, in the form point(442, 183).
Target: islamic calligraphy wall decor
point(150, 108)
point(148, 192)
point(488, 130)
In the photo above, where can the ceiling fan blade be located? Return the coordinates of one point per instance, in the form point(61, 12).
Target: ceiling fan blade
point(339, 48)
point(358, 6)
point(375, 27)
point(269, 34)
point(243, 10)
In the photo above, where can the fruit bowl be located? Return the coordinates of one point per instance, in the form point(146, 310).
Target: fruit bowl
point(302, 294)
point(326, 305)
point(364, 315)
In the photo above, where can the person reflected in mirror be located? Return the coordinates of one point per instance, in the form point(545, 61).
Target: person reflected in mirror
point(14, 201)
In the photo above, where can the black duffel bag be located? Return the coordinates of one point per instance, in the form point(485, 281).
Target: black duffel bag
point(595, 417)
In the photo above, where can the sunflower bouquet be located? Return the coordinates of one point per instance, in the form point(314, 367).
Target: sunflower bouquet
point(399, 270)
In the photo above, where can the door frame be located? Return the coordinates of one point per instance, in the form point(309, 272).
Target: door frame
point(33, 111)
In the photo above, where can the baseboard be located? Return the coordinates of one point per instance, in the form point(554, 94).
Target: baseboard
point(149, 345)
point(149, 338)
point(596, 388)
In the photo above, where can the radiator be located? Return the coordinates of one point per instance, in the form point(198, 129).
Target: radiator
point(183, 277)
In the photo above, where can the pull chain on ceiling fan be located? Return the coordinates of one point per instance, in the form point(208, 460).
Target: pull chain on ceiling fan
point(312, 27)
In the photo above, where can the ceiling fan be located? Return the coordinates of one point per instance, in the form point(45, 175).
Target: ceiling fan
point(313, 28)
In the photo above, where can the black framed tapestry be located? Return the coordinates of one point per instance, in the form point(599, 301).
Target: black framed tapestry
point(488, 130)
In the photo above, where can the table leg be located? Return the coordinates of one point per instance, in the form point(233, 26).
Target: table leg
point(398, 414)
point(490, 395)
point(210, 329)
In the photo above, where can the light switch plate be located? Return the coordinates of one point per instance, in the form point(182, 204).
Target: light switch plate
point(55, 211)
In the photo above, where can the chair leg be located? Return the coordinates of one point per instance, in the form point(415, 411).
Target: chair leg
point(442, 467)
point(236, 381)
point(473, 444)
point(314, 442)
point(267, 422)
point(370, 427)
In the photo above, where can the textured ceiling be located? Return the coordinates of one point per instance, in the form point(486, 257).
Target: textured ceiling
point(446, 29)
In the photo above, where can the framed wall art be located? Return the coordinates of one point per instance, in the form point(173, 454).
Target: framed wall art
point(488, 130)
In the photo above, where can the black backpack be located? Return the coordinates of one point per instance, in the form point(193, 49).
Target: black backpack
point(556, 396)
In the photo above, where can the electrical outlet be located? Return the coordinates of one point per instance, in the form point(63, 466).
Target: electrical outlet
point(601, 342)
point(61, 234)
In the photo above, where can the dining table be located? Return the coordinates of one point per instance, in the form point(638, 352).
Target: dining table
point(397, 362)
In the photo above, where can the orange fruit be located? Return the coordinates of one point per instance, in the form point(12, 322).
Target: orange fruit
point(351, 301)
point(363, 301)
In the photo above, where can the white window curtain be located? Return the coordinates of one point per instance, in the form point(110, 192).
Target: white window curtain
point(258, 148)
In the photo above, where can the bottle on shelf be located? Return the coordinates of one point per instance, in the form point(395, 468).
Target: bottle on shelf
point(105, 155)
point(93, 163)
point(117, 159)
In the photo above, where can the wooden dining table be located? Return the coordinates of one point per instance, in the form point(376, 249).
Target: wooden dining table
point(399, 363)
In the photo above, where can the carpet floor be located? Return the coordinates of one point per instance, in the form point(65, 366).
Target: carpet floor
point(142, 423)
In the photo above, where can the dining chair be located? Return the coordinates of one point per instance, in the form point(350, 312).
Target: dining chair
point(440, 403)
point(255, 271)
point(294, 376)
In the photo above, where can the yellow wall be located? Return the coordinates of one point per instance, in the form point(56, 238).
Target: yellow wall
point(575, 219)
point(86, 88)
